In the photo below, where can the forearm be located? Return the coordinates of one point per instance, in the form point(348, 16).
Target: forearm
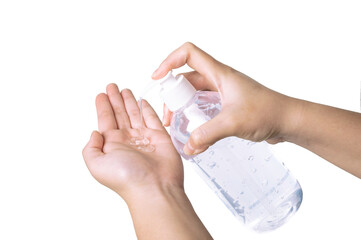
point(165, 214)
point(332, 133)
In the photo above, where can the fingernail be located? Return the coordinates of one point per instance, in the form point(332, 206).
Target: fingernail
point(155, 73)
point(197, 151)
point(188, 149)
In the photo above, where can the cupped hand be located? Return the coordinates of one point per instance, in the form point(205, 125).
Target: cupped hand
point(121, 166)
point(249, 109)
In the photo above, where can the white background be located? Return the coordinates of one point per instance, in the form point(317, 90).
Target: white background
point(55, 56)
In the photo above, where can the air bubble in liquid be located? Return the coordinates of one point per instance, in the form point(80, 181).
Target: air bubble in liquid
point(249, 143)
point(142, 143)
point(212, 165)
point(139, 141)
point(264, 182)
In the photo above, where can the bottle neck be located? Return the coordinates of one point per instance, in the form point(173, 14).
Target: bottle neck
point(177, 93)
point(194, 114)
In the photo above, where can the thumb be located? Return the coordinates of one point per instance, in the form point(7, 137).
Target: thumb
point(207, 134)
point(167, 116)
point(94, 147)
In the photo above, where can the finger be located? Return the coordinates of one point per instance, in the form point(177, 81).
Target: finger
point(167, 116)
point(198, 81)
point(117, 103)
point(94, 147)
point(195, 58)
point(207, 134)
point(131, 106)
point(106, 119)
point(151, 119)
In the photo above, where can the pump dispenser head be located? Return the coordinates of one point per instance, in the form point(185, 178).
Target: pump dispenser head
point(176, 91)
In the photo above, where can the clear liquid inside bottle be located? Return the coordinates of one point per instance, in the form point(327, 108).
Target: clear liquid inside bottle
point(257, 188)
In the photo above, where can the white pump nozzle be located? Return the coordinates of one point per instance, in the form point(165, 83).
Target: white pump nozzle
point(176, 91)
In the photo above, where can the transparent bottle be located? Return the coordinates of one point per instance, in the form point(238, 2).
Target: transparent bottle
point(257, 188)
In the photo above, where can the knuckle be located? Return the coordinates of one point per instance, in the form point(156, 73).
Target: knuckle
point(105, 115)
point(188, 45)
point(84, 152)
point(188, 48)
point(117, 110)
point(134, 112)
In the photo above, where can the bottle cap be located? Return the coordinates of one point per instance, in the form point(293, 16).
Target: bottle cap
point(176, 91)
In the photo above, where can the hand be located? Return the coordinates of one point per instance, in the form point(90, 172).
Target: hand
point(249, 109)
point(117, 164)
point(151, 183)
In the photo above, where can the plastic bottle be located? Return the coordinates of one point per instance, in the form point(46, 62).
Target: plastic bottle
point(250, 181)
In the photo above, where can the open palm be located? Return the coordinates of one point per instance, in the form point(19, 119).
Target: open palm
point(121, 166)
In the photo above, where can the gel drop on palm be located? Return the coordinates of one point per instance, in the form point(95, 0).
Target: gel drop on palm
point(257, 188)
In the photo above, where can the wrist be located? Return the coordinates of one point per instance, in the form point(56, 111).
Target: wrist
point(153, 194)
point(155, 208)
point(291, 122)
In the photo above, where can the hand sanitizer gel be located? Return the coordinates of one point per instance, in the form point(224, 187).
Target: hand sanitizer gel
point(257, 188)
